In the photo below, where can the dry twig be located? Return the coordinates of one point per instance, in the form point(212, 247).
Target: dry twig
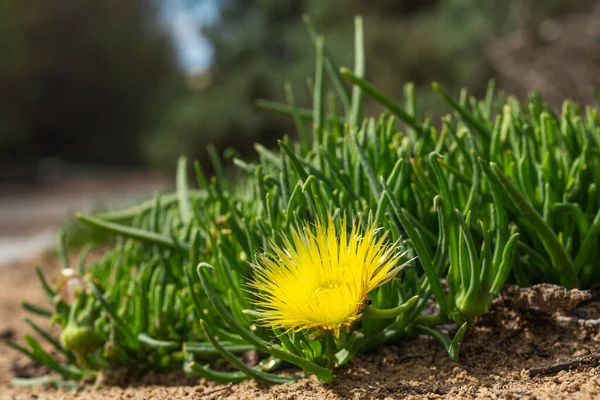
point(590, 360)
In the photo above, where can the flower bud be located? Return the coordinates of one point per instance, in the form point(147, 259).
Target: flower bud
point(79, 338)
point(70, 284)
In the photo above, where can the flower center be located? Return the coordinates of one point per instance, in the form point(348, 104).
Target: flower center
point(333, 302)
point(325, 291)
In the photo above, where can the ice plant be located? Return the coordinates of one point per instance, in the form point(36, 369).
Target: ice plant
point(321, 280)
point(499, 190)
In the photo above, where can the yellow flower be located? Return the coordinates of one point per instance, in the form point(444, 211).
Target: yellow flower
point(320, 280)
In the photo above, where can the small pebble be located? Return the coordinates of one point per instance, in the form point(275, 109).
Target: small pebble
point(7, 333)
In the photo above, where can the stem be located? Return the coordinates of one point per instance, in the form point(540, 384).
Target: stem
point(432, 320)
point(388, 313)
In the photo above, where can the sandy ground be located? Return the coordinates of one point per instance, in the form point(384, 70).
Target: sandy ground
point(498, 360)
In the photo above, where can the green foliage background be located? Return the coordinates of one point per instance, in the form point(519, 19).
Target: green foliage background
point(80, 80)
point(97, 82)
point(261, 45)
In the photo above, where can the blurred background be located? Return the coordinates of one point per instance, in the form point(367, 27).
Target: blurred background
point(99, 98)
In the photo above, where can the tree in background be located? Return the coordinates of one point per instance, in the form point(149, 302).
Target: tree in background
point(81, 80)
point(96, 81)
point(256, 49)
point(259, 45)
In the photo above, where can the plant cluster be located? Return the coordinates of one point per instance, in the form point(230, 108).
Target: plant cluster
point(336, 243)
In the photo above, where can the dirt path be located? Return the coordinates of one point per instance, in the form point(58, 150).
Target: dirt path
point(495, 361)
point(30, 216)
